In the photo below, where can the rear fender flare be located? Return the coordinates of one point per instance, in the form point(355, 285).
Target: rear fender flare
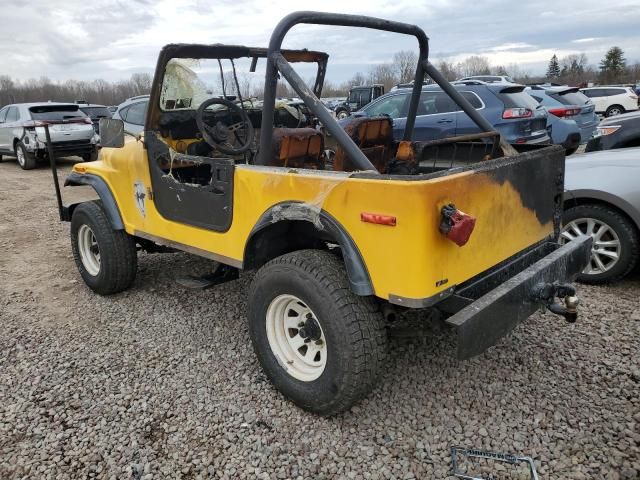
point(357, 272)
point(104, 192)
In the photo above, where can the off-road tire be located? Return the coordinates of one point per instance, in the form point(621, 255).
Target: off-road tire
point(118, 254)
point(627, 234)
point(29, 162)
point(353, 327)
point(613, 108)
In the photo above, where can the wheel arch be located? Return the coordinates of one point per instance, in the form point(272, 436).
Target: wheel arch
point(109, 203)
point(291, 226)
point(582, 197)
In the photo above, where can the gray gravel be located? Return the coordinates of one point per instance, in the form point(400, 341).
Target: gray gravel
point(159, 382)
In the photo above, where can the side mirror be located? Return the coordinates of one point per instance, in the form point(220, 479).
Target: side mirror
point(111, 133)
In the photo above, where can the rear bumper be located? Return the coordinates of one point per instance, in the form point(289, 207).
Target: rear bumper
point(491, 305)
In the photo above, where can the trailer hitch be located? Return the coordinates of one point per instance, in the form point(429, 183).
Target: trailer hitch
point(546, 294)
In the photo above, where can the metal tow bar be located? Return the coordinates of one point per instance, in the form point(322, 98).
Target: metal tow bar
point(546, 294)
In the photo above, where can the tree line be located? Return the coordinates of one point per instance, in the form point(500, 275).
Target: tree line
point(96, 91)
point(576, 70)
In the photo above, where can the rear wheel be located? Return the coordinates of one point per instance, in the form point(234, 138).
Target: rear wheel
point(320, 344)
point(26, 160)
point(616, 245)
point(342, 114)
point(106, 258)
point(614, 110)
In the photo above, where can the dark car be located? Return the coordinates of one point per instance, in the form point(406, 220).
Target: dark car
point(95, 113)
point(513, 113)
point(616, 132)
point(602, 200)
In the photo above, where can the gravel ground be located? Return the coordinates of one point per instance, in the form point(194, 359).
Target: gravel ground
point(159, 382)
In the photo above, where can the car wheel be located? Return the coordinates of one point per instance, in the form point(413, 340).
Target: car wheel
point(614, 110)
point(570, 151)
point(90, 157)
point(320, 344)
point(616, 245)
point(342, 114)
point(26, 160)
point(106, 258)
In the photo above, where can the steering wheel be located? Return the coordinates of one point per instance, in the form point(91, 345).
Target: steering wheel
point(220, 136)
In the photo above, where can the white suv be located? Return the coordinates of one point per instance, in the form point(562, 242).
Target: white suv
point(612, 101)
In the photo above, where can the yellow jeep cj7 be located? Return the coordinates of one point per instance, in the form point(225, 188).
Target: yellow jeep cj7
point(345, 225)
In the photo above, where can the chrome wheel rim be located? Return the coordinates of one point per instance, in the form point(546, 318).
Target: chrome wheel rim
point(20, 156)
point(614, 111)
point(606, 249)
point(296, 338)
point(89, 250)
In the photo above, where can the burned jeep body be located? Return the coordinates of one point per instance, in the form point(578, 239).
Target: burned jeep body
point(340, 224)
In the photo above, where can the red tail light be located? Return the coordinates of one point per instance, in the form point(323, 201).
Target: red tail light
point(34, 123)
point(564, 111)
point(517, 113)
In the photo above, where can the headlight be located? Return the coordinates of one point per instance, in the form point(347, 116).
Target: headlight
point(604, 131)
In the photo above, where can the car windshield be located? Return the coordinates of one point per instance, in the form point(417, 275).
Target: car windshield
point(188, 82)
point(570, 97)
point(56, 112)
point(100, 112)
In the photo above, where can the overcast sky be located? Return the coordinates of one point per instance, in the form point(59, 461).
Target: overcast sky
point(110, 39)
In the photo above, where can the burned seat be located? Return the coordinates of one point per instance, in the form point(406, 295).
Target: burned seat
point(298, 148)
point(374, 136)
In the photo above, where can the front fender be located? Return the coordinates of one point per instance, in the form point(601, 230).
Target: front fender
point(104, 192)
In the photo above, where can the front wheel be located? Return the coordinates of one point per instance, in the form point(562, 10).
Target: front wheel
point(616, 245)
point(106, 258)
point(342, 114)
point(320, 344)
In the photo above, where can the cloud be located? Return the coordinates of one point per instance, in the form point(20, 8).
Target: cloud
point(585, 40)
point(111, 39)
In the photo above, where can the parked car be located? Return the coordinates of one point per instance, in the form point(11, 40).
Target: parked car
point(22, 132)
point(570, 106)
point(358, 97)
point(133, 112)
point(513, 113)
point(489, 78)
point(95, 113)
point(618, 132)
point(112, 109)
point(610, 101)
point(602, 199)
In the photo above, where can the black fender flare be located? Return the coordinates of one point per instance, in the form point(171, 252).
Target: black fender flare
point(357, 272)
point(104, 192)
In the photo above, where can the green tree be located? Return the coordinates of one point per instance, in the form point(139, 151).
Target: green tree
point(612, 66)
point(553, 71)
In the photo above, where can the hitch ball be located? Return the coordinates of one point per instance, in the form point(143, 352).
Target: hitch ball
point(546, 294)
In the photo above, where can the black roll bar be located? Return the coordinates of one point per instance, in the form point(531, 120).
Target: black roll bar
point(276, 62)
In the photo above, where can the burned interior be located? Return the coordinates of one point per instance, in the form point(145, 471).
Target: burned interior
point(200, 126)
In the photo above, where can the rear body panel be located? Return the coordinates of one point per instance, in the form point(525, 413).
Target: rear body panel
point(515, 202)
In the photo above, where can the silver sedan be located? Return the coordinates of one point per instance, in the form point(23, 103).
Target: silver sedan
point(602, 199)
